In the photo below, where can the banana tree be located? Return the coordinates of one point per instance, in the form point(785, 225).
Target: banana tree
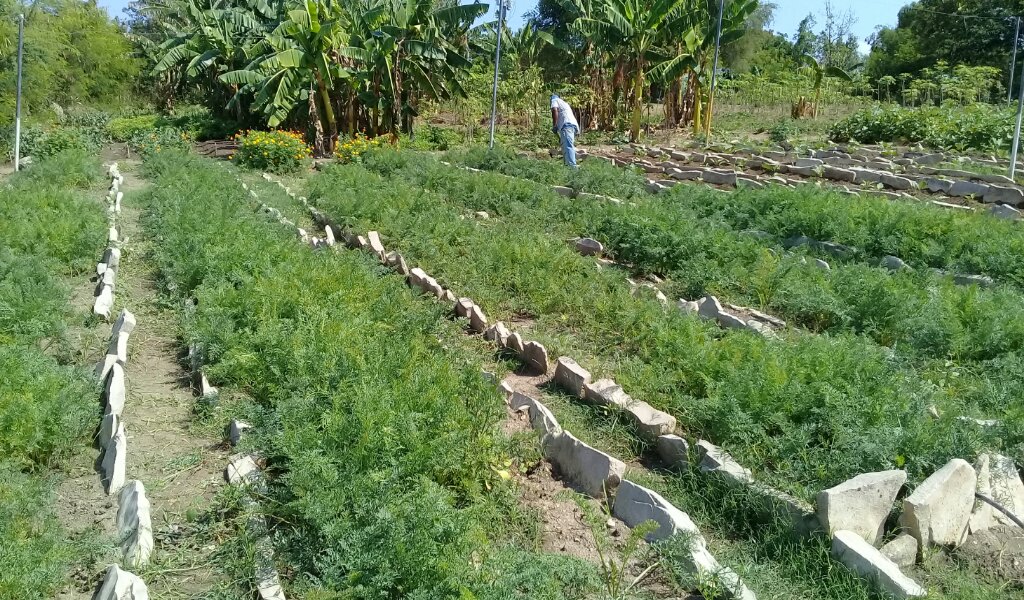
point(293, 59)
point(820, 71)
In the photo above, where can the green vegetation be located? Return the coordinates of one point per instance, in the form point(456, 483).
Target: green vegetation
point(382, 436)
point(48, 231)
point(274, 151)
point(974, 127)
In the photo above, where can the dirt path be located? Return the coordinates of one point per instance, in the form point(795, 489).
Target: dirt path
point(180, 466)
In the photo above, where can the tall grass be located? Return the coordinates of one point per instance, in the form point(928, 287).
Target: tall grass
point(48, 229)
point(381, 437)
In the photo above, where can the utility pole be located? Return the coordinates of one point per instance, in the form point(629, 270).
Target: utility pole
point(502, 7)
point(17, 102)
point(1016, 131)
point(714, 74)
point(1013, 62)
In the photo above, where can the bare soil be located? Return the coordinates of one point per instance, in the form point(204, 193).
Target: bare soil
point(998, 552)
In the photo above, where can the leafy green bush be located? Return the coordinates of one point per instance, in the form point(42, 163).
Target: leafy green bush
point(974, 127)
point(200, 124)
point(275, 151)
point(123, 129)
point(161, 139)
point(781, 131)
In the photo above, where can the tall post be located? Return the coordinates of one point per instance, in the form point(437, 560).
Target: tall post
point(17, 101)
point(1016, 131)
point(497, 65)
point(1013, 62)
point(714, 74)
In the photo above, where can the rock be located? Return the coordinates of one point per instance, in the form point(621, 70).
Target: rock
point(505, 389)
point(115, 391)
point(242, 470)
point(687, 306)
point(978, 280)
point(688, 175)
point(113, 463)
point(1004, 212)
point(561, 190)
point(108, 428)
point(477, 319)
point(673, 450)
point(571, 376)
point(895, 182)
point(589, 247)
point(482, 215)
point(719, 177)
point(535, 355)
point(134, 525)
point(1003, 195)
point(837, 174)
point(809, 162)
point(861, 504)
point(824, 266)
point(993, 178)
point(730, 321)
point(709, 307)
point(375, 244)
point(653, 187)
point(937, 185)
point(803, 171)
point(715, 460)
point(893, 263)
point(746, 182)
point(953, 206)
point(929, 159)
point(938, 511)
point(999, 480)
point(515, 343)
point(635, 504)
point(649, 421)
point(541, 418)
point(902, 550)
point(865, 560)
point(593, 472)
point(397, 262)
point(867, 175)
point(329, 235)
point(235, 430)
point(112, 235)
point(497, 333)
point(104, 302)
point(463, 307)
point(206, 390)
point(121, 585)
point(962, 189)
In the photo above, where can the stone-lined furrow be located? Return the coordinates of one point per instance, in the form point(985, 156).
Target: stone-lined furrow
point(133, 522)
point(592, 471)
point(865, 500)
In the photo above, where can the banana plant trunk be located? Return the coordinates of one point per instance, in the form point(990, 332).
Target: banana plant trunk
point(330, 124)
point(638, 97)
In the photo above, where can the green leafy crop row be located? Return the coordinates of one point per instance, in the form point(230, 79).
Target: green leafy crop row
point(983, 127)
point(48, 230)
point(809, 411)
point(382, 440)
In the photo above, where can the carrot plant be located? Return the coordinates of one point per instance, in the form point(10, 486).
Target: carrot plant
point(381, 435)
point(808, 410)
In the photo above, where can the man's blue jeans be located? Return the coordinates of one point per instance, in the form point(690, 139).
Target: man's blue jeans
point(568, 137)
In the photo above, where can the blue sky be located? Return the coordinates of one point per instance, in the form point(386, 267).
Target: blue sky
point(869, 13)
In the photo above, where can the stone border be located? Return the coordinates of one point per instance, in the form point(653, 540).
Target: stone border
point(121, 585)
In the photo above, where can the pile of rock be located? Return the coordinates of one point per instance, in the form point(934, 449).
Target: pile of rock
point(740, 317)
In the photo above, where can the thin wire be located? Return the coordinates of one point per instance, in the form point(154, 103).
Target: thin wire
point(960, 15)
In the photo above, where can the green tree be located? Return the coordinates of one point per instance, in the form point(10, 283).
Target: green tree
point(819, 71)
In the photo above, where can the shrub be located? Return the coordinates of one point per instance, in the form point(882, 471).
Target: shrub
point(974, 127)
point(274, 151)
point(781, 131)
point(160, 140)
point(353, 150)
point(123, 129)
point(202, 125)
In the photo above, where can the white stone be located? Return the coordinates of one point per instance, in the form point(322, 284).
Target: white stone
point(375, 244)
point(571, 376)
point(865, 560)
point(709, 307)
point(515, 343)
point(893, 263)
point(477, 319)
point(999, 480)
point(242, 469)
point(1004, 195)
point(715, 460)
point(719, 177)
point(103, 368)
point(134, 525)
point(589, 247)
point(463, 307)
point(673, 450)
point(587, 468)
point(1004, 212)
point(561, 190)
point(104, 302)
point(902, 550)
point(938, 511)
point(205, 389)
point(542, 419)
point(115, 391)
point(114, 458)
point(121, 585)
point(896, 182)
point(235, 430)
point(112, 235)
point(635, 504)
point(861, 504)
point(978, 280)
point(937, 185)
point(125, 323)
point(649, 421)
point(108, 427)
point(809, 162)
point(535, 355)
point(687, 306)
point(329, 235)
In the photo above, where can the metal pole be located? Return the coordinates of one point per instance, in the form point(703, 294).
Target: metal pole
point(1016, 131)
point(1013, 61)
point(17, 102)
point(497, 65)
point(714, 74)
